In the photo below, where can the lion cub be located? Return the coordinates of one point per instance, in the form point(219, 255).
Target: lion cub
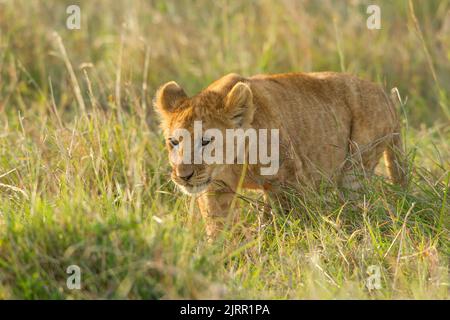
point(322, 125)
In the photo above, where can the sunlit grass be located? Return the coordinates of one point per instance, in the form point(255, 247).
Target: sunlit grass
point(92, 188)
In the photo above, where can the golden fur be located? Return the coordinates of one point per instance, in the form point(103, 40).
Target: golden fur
point(332, 126)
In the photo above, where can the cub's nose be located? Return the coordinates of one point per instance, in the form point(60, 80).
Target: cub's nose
point(184, 172)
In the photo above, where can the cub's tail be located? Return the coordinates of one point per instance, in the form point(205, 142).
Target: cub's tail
point(394, 154)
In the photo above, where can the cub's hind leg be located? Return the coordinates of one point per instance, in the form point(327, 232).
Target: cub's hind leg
point(360, 165)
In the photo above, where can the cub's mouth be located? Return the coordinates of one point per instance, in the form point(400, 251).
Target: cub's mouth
point(191, 189)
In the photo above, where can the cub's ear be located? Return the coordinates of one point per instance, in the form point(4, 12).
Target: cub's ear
point(239, 105)
point(167, 97)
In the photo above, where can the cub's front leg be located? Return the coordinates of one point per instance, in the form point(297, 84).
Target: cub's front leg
point(215, 207)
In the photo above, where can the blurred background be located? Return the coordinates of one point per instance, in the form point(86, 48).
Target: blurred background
point(195, 42)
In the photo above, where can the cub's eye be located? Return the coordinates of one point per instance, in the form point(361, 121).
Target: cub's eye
point(206, 141)
point(173, 142)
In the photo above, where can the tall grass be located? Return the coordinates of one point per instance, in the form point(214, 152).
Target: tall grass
point(84, 178)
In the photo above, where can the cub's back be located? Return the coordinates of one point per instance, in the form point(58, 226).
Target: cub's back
point(291, 94)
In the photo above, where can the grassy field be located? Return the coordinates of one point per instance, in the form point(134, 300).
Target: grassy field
point(84, 177)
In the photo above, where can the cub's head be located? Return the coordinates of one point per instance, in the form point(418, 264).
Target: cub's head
point(192, 127)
